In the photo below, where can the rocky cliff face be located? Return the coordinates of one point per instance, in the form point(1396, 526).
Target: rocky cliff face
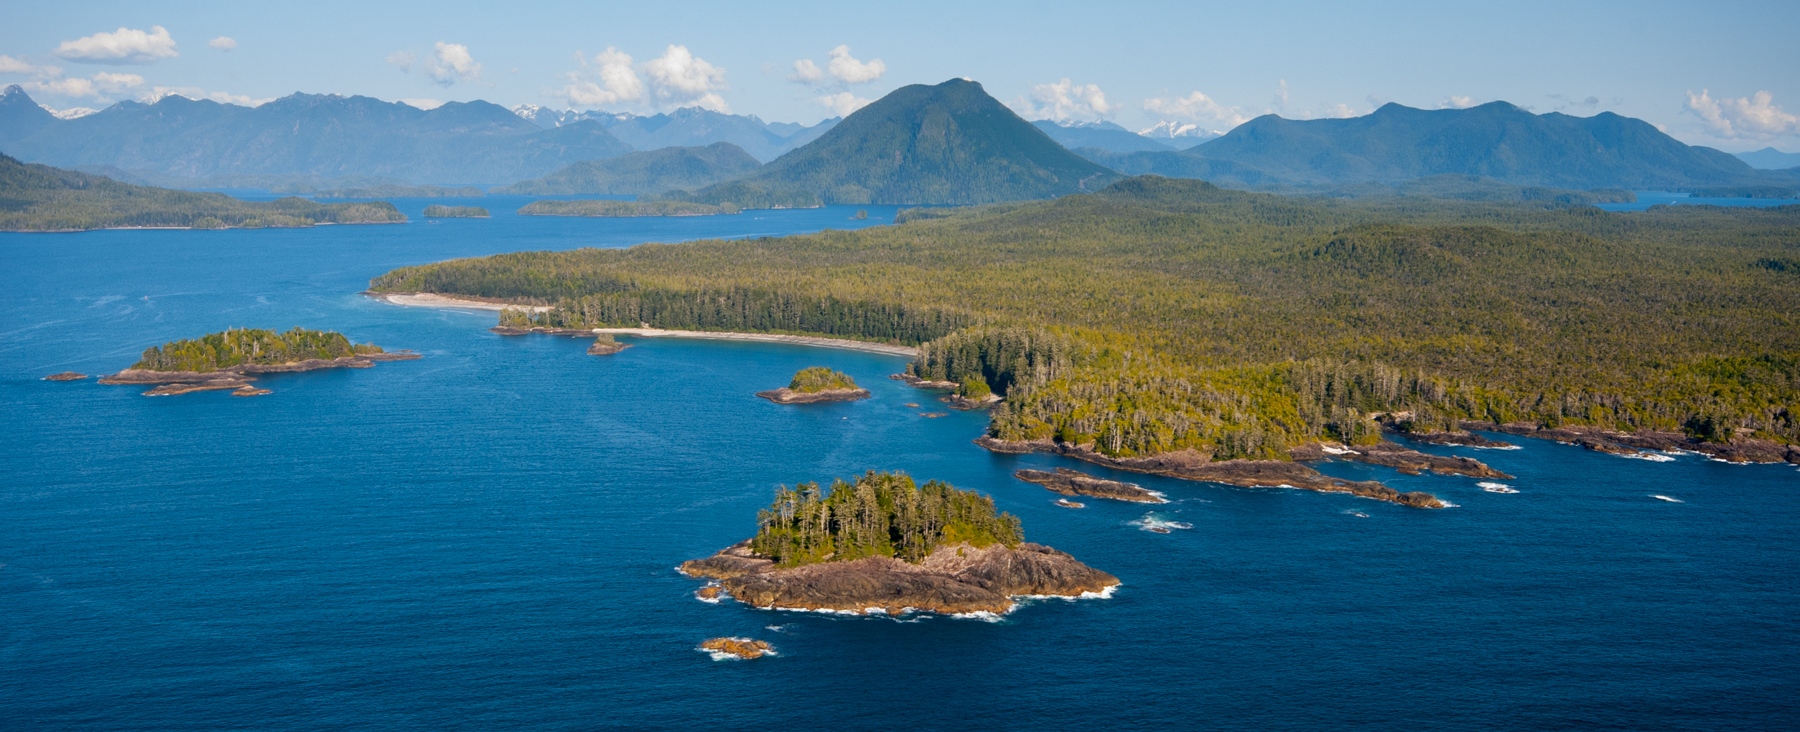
point(955, 579)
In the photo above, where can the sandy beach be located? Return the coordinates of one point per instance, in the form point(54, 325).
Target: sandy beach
point(429, 300)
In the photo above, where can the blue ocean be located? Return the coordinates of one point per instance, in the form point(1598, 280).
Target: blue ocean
point(486, 538)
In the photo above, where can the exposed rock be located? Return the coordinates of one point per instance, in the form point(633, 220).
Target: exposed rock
point(1455, 439)
point(508, 330)
point(1738, 450)
point(1066, 503)
point(249, 391)
point(958, 401)
point(1192, 465)
point(1074, 483)
point(606, 348)
point(185, 387)
point(923, 383)
point(1401, 458)
point(743, 648)
point(953, 579)
point(785, 395)
point(65, 376)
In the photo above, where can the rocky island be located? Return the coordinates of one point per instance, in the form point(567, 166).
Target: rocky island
point(1075, 483)
point(884, 544)
point(743, 649)
point(228, 360)
point(814, 385)
point(66, 376)
point(438, 211)
point(605, 345)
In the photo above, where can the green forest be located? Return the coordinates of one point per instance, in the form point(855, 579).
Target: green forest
point(438, 211)
point(1162, 314)
point(42, 198)
point(815, 379)
point(239, 346)
point(880, 514)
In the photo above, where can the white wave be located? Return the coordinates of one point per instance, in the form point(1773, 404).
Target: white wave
point(1494, 447)
point(1448, 504)
point(1104, 593)
point(1496, 487)
point(1157, 523)
point(1666, 498)
point(1159, 494)
point(1358, 514)
point(778, 628)
point(982, 615)
point(1329, 450)
point(1655, 457)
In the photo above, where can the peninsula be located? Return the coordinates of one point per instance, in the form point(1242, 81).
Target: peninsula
point(230, 359)
point(814, 385)
point(1075, 483)
point(884, 544)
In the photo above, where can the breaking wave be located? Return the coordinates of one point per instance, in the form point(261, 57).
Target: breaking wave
point(1496, 487)
point(1158, 523)
point(1661, 497)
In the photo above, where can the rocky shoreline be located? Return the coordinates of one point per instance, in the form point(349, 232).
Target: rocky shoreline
point(785, 395)
point(915, 381)
point(238, 378)
point(1398, 457)
point(1192, 465)
point(1633, 444)
point(956, 579)
point(1075, 483)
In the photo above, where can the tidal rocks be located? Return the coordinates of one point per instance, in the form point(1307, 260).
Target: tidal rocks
point(1735, 450)
point(1066, 503)
point(186, 387)
point(65, 376)
point(1191, 465)
point(953, 579)
point(1401, 458)
point(1456, 439)
point(923, 383)
point(963, 403)
point(507, 330)
point(785, 395)
point(1074, 483)
point(236, 377)
point(249, 391)
point(740, 648)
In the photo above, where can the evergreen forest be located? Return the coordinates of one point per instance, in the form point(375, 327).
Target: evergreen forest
point(815, 379)
point(879, 514)
point(239, 346)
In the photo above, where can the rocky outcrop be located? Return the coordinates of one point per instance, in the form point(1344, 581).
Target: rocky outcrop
point(923, 383)
point(963, 403)
point(65, 376)
point(1192, 465)
point(741, 648)
point(1074, 483)
point(1456, 439)
point(508, 330)
point(1737, 450)
point(952, 580)
point(238, 377)
point(785, 395)
point(249, 391)
point(606, 348)
point(1399, 457)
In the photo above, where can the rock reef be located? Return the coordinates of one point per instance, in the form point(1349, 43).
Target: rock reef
point(65, 376)
point(1736, 450)
point(923, 383)
point(785, 395)
point(1398, 457)
point(741, 648)
point(954, 579)
point(1075, 483)
point(1191, 465)
point(239, 377)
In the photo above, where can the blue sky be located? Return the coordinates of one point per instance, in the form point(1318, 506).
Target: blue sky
point(1722, 74)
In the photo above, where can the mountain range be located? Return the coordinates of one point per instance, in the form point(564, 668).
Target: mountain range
point(687, 127)
point(1769, 158)
point(649, 171)
point(1099, 134)
point(302, 134)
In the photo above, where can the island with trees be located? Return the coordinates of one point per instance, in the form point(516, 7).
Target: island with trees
point(624, 209)
point(883, 543)
point(229, 360)
point(402, 191)
point(45, 199)
point(437, 211)
point(817, 384)
point(1178, 328)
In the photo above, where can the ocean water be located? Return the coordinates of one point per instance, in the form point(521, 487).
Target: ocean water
point(1646, 199)
point(485, 538)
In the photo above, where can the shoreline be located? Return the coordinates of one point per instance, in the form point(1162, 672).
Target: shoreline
point(432, 300)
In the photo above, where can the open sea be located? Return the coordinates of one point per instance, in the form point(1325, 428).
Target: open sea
point(486, 538)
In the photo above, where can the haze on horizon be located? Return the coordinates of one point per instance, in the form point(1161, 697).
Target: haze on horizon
point(1721, 77)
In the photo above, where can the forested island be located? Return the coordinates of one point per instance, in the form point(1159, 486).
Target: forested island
point(884, 543)
point(1171, 320)
point(42, 198)
point(605, 209)
point(817, 384)
point(229, 359)
point(436, 211)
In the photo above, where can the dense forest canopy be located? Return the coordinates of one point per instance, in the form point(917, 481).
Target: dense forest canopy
point(239, 346)
point(815, 379)
point(880, 514)
point(42, 198)
point(1238, 322)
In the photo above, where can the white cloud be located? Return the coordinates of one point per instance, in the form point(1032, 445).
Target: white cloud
point(402, 59)
point(1456, 102)
point(452, 63)
point(806, 72)
point(10, 65)
point(1064, 100)
point(843, 103)
point(223, 43)
point(846, 69)
point(422, 103)
point(100, 85)
point(1199, 108)
point(1281, 96)
point(159, 93)
point(607, 81)
point(682, 79)
point(1342, 111)
point(124, 46)
point(1754, 117)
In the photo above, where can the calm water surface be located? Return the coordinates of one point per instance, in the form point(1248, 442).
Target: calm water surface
point(484, 539)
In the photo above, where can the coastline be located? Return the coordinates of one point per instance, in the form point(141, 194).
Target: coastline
point(432, 300)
